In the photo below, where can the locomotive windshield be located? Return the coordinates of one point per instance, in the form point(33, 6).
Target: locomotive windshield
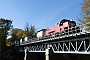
point(63, 21)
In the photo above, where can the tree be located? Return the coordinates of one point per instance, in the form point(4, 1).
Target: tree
point(33, 31)
point(17, 34)
point(27, 32)
point(8, 41)
point(5, 26)
point(30, 30)
point(86, 13)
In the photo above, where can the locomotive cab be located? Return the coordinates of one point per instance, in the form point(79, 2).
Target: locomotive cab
point(70, 23)
point(63, 21)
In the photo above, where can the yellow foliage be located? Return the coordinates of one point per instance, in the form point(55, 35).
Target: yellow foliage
point(19, 34)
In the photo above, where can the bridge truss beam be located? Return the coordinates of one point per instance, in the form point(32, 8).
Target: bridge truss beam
point(78, 45)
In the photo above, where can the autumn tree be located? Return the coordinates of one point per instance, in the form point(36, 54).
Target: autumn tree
point(16, 34)
point(86, 13)
point(30, 30)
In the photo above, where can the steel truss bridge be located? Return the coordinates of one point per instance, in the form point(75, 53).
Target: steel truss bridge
point(70, 42)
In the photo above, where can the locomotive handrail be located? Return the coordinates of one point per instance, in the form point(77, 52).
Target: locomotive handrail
point(63, 36)
point(73, 31)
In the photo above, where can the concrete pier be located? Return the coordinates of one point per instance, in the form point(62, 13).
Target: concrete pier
point(47, 54)
point(25, 57)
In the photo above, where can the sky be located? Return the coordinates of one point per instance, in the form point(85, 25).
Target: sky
point(40, 13)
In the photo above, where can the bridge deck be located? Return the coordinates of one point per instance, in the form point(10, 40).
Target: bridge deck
point(70, 37)
point(75, 43)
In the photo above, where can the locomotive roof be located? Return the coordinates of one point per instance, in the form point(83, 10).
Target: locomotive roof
point(42, 30)
point(64, 20)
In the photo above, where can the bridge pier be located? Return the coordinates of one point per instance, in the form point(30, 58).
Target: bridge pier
point(25, 57)
point(33, 55)
point(47, 54)
point(50, 55)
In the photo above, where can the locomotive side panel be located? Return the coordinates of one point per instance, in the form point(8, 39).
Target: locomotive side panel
point(72, 23)
point(21, 40)
point(40, 34)
point(58, 27)
point(49, 31)
point(66, 24)
point(28, 38)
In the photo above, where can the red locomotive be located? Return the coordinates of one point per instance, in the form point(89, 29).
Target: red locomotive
point(60, 26)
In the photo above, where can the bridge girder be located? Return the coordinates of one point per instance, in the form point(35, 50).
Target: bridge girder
point(78, 45)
